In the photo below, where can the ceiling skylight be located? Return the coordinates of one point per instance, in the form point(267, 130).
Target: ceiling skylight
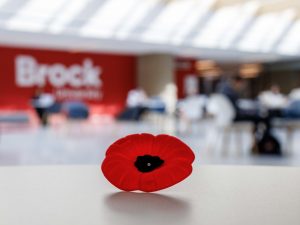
point(64, 18)
point(191, 20)
point(265, 31)
point(218, 24)
point(136, 17)
point(290, 44)
point(109, 16)
point(283, 23)
point(246, 14)
point(166, 22)
point(35, 15)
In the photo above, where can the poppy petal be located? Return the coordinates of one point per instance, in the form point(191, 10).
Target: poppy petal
point(147, 183)
point(132, 145)
point(170, 147)
point(172, 174)
point(124, 146)
point(122, 176)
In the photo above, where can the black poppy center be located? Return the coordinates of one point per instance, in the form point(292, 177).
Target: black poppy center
point(148, 163)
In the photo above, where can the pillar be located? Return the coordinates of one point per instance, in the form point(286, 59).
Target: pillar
point(156, 75)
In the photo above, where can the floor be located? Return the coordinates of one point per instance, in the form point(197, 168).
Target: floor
point(75, 142)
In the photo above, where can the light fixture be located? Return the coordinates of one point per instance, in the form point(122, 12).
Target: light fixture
point(211, 73)
point(205, 64)
point(207, 68)
point(250, 70)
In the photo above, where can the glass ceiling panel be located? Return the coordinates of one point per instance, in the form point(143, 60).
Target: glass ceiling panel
point(174, 23)
point(2, 2)
point(161, 28)
point(63, 19)
point(290, 45)
point(262, 32)
point(194, 16)
point(108, 17)
point(246, 14)
point(274, 35)
point(213, 30)
point(135, 18)
point(255, 35)
point(35, 15)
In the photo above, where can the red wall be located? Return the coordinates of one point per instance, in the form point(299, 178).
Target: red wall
point(115, 75)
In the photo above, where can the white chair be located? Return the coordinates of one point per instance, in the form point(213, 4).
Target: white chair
point(223, 114)
point(290, 127)
point(190, 113)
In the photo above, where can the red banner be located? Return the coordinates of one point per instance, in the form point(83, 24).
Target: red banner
point(98, 79)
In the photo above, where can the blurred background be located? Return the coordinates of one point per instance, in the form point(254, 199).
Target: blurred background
point(222, 75)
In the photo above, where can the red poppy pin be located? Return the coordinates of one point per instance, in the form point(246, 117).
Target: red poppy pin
point(147, 163)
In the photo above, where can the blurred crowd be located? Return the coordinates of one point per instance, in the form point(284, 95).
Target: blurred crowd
point(226, 105)
point(195, 105)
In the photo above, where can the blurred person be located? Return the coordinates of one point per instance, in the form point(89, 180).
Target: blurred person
point(190, 110)
point(136, 98)
point(232, 89)
point(295, 94)
point(292, 111)
point(169, 97)
point(41, 102)
point(265, 142)
point(273, 99)
point(136, 105)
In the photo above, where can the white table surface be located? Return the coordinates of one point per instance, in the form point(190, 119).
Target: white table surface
point(212, 195)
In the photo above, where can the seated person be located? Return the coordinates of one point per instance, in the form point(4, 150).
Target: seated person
point(41, 102)
point(232, 90)
point(292, 111)
point(135, 105)
point(295, 94)
point(265, 142)
point(273, 99)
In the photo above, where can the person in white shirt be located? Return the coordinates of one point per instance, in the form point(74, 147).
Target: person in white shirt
point(136, 98)
point(273, 98)
point(136, 105)
point(42, 102)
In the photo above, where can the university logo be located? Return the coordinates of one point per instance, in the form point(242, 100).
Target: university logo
point(30, 73)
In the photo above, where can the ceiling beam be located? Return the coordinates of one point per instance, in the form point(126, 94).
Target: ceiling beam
point(280, 5)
